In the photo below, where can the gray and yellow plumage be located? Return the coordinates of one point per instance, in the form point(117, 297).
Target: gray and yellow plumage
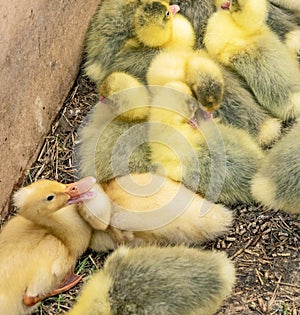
point(114, 41)
point(240, 109)
point(238, 36)
point(106, 155)
point(158, 281)
point(277, 182)
point(283, 17)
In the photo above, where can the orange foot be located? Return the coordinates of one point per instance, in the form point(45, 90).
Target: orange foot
point(69, 282)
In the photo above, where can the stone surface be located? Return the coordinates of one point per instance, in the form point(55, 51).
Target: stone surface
point(41, 49)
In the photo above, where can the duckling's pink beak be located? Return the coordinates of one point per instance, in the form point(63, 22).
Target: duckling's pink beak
point(80, 191)
point(225, 5)
point(193, 122)
point(174, 8)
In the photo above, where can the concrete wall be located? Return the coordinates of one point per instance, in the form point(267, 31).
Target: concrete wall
point(41, 45)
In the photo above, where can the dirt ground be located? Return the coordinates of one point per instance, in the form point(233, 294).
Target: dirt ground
point(264, 244)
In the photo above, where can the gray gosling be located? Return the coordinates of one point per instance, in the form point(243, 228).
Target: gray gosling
point(153, 280)
point(277, 182)
point(238, 36)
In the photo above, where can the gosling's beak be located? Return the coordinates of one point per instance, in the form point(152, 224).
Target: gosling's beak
point(80, 190)
point(102, 99)
point(174, 8)
point(193, 122)
point(225, 5)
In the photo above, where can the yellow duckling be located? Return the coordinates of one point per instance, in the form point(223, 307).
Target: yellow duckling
point(237, 35)
point(172, 30)
point(194, 68)
point(283, 19)
point(113, 39)
point(177, 61)
point(40, 246)
point(136, 55)
point(153, 23)
point(153, 280)
point(152, 209)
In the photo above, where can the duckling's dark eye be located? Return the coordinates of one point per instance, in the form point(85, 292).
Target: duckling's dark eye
point(233, 2)
point(192, 104)
point(50, 197)
point(168, 14)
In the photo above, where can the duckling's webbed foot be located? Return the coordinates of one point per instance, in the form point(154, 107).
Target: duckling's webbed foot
point(69, 282)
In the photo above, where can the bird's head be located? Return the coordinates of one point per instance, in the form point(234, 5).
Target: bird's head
point(176, 103)
point(45, 197)
point(126, 96)
point(153, 22)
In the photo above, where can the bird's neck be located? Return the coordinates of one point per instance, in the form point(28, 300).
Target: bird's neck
point(64, 225)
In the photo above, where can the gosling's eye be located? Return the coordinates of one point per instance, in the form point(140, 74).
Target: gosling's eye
point(168, 14)
point(234, 2)
point(50, 197)
point(193, 105)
